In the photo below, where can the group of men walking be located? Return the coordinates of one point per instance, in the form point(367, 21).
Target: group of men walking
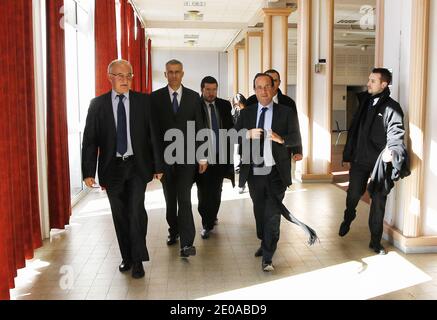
point(127, 137)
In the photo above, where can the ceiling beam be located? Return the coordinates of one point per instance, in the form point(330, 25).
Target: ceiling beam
point(194, 25)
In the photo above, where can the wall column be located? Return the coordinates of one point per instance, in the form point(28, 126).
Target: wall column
point(303, 86)
point(379, 43)
point(417, 112)
point(316, 53)
point(275, 48)
point(253, 60)
point(239, 70)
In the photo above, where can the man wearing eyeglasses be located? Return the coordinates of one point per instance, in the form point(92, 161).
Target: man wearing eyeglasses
point(280, 98)
point(272, 131)
point(120, 137)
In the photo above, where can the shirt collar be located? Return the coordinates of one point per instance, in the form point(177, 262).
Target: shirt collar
point(114, 95)
point(171, 91)
point(260, 106)
point(208, 103)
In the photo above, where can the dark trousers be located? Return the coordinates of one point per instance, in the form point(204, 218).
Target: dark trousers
point(177, 183)
point(209, 194)
point(358, 177)
point(265, 191)
point(125, 190)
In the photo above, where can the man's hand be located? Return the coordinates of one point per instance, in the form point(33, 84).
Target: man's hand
point(203, 165)
point(297, 157)
point(89, 182)
point(157, 176)
point(254, 133)
point(387, 156)
point(275, 137)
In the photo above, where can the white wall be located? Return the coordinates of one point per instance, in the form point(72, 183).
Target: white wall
point(429, 226)
point(321, 132)
point(241, 72)
point(223, 76)
point(255, 60)
point(197, 65)
point(397, 29)
point(352, 66)
point(230, 89)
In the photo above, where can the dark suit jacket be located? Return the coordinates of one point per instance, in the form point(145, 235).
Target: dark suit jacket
point(189, 110)
point(286, 101)
point(387, 127)
point(282, 124)
point(100, 138)
point(226, 122)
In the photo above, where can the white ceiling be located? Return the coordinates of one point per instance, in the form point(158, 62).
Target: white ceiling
point(223, 20)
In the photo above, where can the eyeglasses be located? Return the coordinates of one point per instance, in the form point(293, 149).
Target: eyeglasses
point(267, 87)
point(122, 76)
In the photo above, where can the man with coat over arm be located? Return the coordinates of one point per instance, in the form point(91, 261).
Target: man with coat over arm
point(376, 131)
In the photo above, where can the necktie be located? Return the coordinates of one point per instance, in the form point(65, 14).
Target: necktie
point(121, 127)
point(214, 127)
point(261, 126)
point(175, 102)
point(261, 142)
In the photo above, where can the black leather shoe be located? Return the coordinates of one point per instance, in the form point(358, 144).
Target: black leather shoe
point(205, 233)
point(379, 249)
point(259, 252)
point(137, 270)
point(188, 251)
point(172, 239)
point(344, 228)
point(267, 266)
point(124, 266)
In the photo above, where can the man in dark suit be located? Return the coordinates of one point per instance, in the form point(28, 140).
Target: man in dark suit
point(272, 126)
point(177, 108)
point(280, 98)
point(119, 135)
point(217, 115)
point(377, 129)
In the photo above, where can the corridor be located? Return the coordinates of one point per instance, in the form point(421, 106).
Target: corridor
point(225, 268)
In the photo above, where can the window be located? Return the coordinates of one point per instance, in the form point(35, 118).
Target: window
point(79, 56)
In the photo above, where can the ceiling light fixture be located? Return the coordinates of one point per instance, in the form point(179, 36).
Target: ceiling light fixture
point(193, 15)
point(191, 42)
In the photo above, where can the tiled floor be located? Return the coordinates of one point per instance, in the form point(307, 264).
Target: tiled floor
point(81, 263)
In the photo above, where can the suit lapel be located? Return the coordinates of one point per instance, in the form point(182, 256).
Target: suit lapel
point(166, 100)
point(183, 98)
point(204, 110)
point(253, 116)
point(221, 111)
point(275, 117)
point(132, 114)
point(110, 113)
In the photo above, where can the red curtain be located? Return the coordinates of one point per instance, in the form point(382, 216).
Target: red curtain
point(133, 52)
point(124, 10)
point(143, 61)
point(19, 206)
point(137, 54)
point(57, 132)
point(133, 47)
point(149, 88)
point(106, 42)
